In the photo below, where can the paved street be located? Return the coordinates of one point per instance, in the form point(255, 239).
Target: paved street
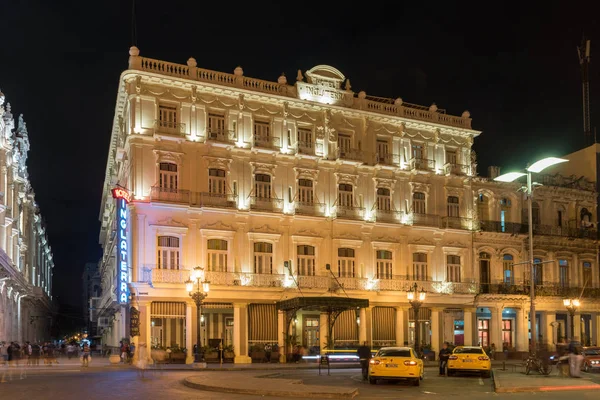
point(102, 383)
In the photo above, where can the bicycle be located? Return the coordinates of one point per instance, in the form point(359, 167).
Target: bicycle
point(536, 364)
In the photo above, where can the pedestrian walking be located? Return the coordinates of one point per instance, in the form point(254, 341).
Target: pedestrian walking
point(364, 355)
point(3, 353)
point(268, 349)
point(35, 354)
point(444, 356)
point(124, 349)
point(493, 351)
point(131, 352)
point(142, 362)
point(85, 356)
point(575, 358)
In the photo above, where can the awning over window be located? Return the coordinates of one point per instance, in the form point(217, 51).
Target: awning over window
point(323, 304)
point(168, 309)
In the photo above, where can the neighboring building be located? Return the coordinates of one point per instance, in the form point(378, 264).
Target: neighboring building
point(237, 175)
point(91, 295)
point(26, 264)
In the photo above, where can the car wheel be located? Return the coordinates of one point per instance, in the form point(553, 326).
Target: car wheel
point(416, 382)
point(372, 381)
point(586, 367)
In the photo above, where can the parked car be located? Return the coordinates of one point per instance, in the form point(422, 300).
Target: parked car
point(469, 359)
point(591, 359)
point(396, 363)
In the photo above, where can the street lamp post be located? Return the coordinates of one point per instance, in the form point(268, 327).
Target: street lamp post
point(536, 167)
point(416, 298)
point(572, 306)
point(198, 282)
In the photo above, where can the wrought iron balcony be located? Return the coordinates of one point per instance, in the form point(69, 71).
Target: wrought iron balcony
point(152, 274)
point(390, 216)
point(266, 204)
point(538, 229)
point(305, 208)
point(309, 148)
point(512, 228)
point(267, 142)
point(221, 136)
point(244, 279)
point(457, 223)
point(350, 155)
point(350, 212)
point(168, 195)
point(387, 159)
point(457, 169)
point(547, 289)
point(421, 164)
point(169, 127)
point(217, 200)
point(426, 220)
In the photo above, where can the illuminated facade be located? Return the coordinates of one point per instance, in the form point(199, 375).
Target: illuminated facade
point(25, 256)
point(238, 175)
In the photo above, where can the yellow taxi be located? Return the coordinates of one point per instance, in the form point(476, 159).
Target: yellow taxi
point(395, 363)
point(471, 359)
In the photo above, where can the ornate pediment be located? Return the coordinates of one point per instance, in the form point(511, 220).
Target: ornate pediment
point(307, 232)
point(218, 163)
point(388, 239)
point(170, 222)
point(219, 226)
point(324, 86)
point(168, 156)
point(347, 235)
point(384, 183)
point(422, 241)
point(346, 178)
point(420, 187)
point(306, 173)
point(264, 229)
point(263, 168)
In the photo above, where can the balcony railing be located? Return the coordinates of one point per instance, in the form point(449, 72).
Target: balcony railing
point(387, 159)
point(456, 169)
point(421, 164)
point(426, 220)
point(158, 193)
point(152, 274)
point(350, 154)
point(169, 127)
point(315, 209)
point(221, 136)
point(390, 216)
point(547, 289)
point(349, 212)
point(217, 200)
point(544, 230)
point(457, 223)
point(267, 142)
point(314, 282)
point(503, 227)
point(309, 148)
point(266, 204)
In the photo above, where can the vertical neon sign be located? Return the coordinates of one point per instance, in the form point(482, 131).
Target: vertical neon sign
point(123, 197)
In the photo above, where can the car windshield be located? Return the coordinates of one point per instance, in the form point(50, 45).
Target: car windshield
point(468, 350)
point(592, 352)
point(394, 353)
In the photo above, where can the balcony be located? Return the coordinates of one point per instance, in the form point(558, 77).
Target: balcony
point(512, 228)
point(151, 274)
point(387, 159)
point(457, 169)
point(390, 216)
point(457, 223)
point(350, 155)
point(421, 164)
point(158, 193)
point(426, 220)
point(244, 279)
point(314, 209)
point(266, 204)
point(267, 142)
point(313, 282)
point(169, 128)
point(350, 212)
point(547, 289)
point(220, 136)
point(309, 148)
point(216, 200)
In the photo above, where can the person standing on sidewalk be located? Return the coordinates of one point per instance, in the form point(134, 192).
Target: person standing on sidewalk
point(131, 352)
point(444, 356)
point(85, 356)
point(575, 358)
point(364, 355)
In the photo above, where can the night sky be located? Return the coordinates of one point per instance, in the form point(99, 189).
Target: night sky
point(513, 67)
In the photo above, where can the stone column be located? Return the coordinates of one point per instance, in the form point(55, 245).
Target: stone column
point(323, 331)
point(436, 330)
point(189, 333)
point(369, 325)
point(240, 333)
point(362, 329)
point(577, 326)
point(596, 330)
point(543, 331)
point(281, 335)
point(469, 315)
point(399, 326)
point(522, 331)
point(496, 327)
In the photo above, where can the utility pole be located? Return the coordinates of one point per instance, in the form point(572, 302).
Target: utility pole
point(583, 51)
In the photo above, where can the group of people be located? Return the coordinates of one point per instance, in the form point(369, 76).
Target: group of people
point(14, 353)
point(127, 352)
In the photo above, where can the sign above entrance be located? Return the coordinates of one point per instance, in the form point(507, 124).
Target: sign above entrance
point(324, 86)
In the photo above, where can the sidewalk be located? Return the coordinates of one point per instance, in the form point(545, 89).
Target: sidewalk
point(512, 382)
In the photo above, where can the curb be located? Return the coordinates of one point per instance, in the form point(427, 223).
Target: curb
point(269, 392)
point(514, 389)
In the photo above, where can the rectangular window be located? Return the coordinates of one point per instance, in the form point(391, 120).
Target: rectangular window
point(262, 133)
point(384, 201)
point(263, 258)
point(508, 268)
point(235, 188)
point(289, 137)
point(587, 274)
point(305, 139)
point(417, 151)
point(344, 144)
point(262, 186)
point(382, 151)
point(563, 267)
point(216, 181)
point(345, 263)
point(168, 252)
point(305, 191)
point(420, 266)
point(451, 157)
point(217, 255)
point(483, 332)
point(306, 260)
point(507, 332)
point(384, 264)
point(167, 178)
point(419, 203)
point(453, 207)
point(167, 116)
point(216, 125)
point(453, 265)
point(345, 195)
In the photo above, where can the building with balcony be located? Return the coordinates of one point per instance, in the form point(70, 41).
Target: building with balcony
point(362, 197)
point(26, 264)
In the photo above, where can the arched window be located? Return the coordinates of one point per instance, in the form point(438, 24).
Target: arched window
point(168, 252)
point(508, 267)
point(384, 264)
point(453, 268)
point(346, 262)
point(453, 207)
point(484, 272)
point(263, 258)
point(306, 260)
point(419, 206)
point(420, 266)
point(168, 178)
point(217, 255)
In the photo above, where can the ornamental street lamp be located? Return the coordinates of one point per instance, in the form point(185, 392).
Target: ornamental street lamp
point(416, 298)
point(197, 280)
point(572, 306)
point(536, 167)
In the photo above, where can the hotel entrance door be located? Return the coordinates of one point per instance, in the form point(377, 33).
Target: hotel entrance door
point(311, 331)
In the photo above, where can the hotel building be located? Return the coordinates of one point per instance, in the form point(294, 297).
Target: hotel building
point(26, 264)
point(362, 196)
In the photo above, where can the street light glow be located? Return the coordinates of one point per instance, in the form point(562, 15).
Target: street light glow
point(509, 176)
point(544, 163)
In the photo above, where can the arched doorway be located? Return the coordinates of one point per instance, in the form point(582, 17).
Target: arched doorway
point(484, 272)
